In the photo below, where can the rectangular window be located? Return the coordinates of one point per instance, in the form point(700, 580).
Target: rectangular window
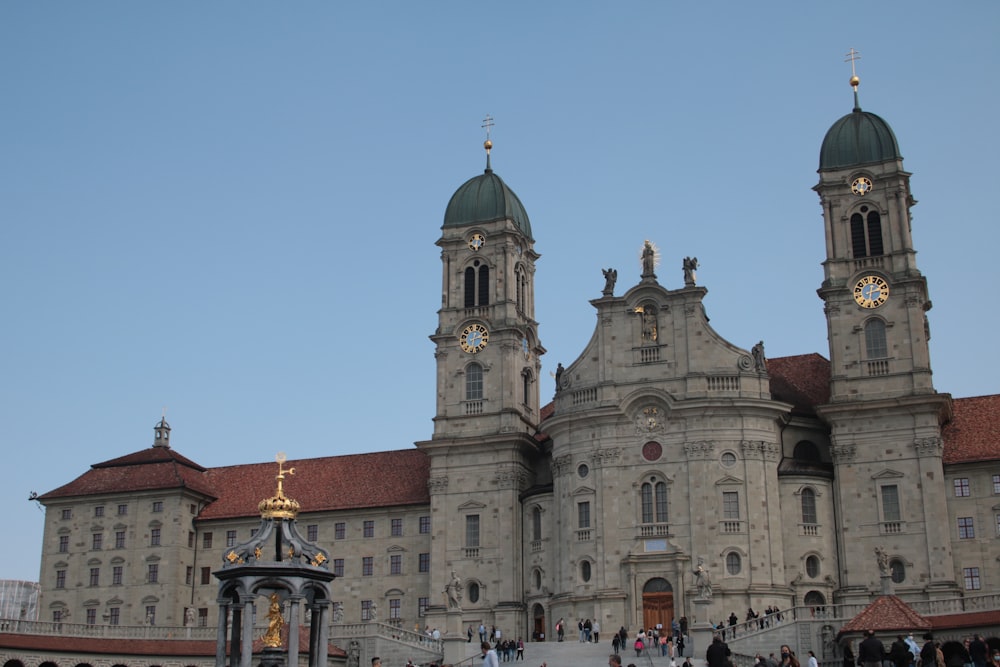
point(369, 529)
point(424, 563)
point(122, 510)
point(472, 531)
point(57, 615)
point(422, 606)
point(397, 527)
point(92, 616)
point(425, 525)
point(97, 541)
point(67, 514)
point(192, 508)
point(153, 573)
point(150, 615)
point(60, 578)
point(583, 514)
point(731, 505)
point(997, 517)
point(188, 575)
point(206, 575)
point(971, 577)
point(190, 539)
point(114, 616)
point(157, 505)
point(154, 537)
point(206, 540)
point(312, 532)
point(116, 575)
point(890, 503)
point(367, 566)
point(366, 610)
point(119, 539)
point(95, 576)
point(338, 530)
point(396, 564)
point(99, 511)
point(394, 608)
point(966, 531)
point(996, 484)
point(230, 538)
point(962, 487)
point(64, 544)
point(203, 617)
point(253, 532)
point(338, 566)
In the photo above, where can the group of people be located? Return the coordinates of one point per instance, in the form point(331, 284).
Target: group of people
point(493, 655)
point(589, 630)
point(787, 659)
point(905, 652)
point(770, 615)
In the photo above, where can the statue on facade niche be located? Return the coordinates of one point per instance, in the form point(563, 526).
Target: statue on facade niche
point(610, 278)
point(702, 581)
point(759, 360)
point(559, 374)
point(373, 612)
point(882, 558)
point(338, 612)
point(189, 617)
point(690, 266)
point(453, 589)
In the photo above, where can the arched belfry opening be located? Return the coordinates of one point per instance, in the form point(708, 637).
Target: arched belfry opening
point(290, 575)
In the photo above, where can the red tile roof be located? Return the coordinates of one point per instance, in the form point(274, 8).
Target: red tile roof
point(972, 619)
point(379, 479)
point(887, 614)
point(973, 434)
point(802, 380)
point(146, 470)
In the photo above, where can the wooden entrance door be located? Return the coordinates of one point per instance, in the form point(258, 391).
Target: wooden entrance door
point(657, 608)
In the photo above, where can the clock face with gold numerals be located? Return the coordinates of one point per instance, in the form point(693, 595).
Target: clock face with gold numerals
point(474, 338)
point(861, 186)
point(476, 242)
point(871, 291)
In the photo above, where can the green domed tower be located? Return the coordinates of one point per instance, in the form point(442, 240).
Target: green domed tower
point(488, 363)
point(884, 415)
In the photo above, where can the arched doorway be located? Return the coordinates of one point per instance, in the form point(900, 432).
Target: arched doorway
point(657, 603)
point(538, 623)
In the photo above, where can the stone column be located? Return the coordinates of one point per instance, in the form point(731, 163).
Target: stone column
point(293, 631)
point(321, 624)
point(700, 630)
point(220, 634)
point(246, 656)
point(453, 639)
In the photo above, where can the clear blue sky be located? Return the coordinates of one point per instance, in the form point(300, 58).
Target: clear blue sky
point(230, 208)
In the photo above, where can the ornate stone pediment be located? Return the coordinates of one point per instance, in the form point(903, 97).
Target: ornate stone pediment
point(471, 505)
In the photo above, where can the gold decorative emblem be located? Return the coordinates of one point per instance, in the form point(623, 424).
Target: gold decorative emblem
point(318, 560)
point(474, 338)
point(257, 553)
point(861, 186)
point(871, 291)
point(232, 557)
point(278, 506)
point(476, 242)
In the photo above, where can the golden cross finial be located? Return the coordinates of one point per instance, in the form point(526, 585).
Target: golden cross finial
point(488, 124)
point(852, 56)
point(281, 458)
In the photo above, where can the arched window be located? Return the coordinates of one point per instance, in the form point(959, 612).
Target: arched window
point(897, 570)
point(806, 451)
point(473, 592)
point(866, 234)
point(477, 285)
point(473, 382)
point(814, 599)
point(654, 502)
point(812, 567)
point(521, 284)
point(809, 506)
point(734, 564)
point(526, 386)
point(536, 524)
point(538, 579)
point(875, 345)
point(585, 570)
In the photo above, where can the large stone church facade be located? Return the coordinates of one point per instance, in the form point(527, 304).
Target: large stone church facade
point(666, 450)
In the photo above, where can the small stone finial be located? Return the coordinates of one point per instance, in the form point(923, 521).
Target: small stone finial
point(162, 431)
point(488, 144)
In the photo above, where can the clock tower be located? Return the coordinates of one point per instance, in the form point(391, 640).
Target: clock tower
point(884, 415)
point(487, 409)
